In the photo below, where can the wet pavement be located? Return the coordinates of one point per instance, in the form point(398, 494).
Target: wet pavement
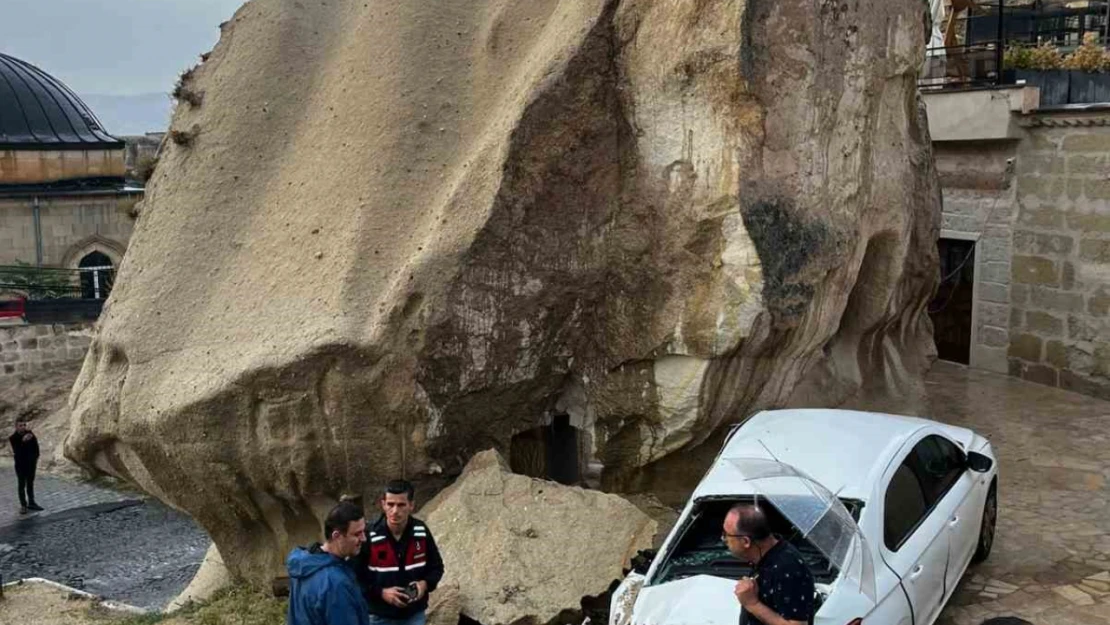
point(1050, 564)
point(1051, 559)
point(110, 543)
point(53, 493)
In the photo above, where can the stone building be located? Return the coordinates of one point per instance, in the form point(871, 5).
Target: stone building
point(1025, 244)
point(65, 201)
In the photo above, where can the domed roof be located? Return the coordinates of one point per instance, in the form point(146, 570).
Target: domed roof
point(38, 112)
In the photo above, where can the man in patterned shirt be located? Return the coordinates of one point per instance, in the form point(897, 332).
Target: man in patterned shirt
point(781, 592)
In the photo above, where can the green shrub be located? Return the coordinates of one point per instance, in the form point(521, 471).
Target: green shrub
point(1017, 57)
point(1089, 57)
point(37, 282)
point(239, 605)
point(1045, 56)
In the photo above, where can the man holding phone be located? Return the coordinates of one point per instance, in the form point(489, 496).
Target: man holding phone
point(400, 564)
point(25, 448)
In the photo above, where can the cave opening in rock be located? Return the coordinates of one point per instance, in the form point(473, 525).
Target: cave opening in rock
point(552, 452)
point(952, 308)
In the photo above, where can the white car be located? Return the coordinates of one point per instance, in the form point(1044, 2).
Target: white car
point(916, 500)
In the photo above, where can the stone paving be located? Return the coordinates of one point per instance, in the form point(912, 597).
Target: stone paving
point(1051, 559)
point(54, 494)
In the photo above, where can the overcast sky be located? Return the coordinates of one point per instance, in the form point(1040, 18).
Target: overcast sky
point(119, 47)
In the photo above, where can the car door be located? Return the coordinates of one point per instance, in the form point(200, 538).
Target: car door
point(946, 467)
point(916, 535)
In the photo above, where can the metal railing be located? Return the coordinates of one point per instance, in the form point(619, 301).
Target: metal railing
point(36, 295)
point(41, 283)
point(979, 60)
point(963, 67)
point(1062, 27)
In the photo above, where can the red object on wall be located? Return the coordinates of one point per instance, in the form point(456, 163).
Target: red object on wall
point(12, 308)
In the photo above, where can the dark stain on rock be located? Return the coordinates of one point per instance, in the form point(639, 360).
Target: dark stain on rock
point(747, 49)
point(786, 245)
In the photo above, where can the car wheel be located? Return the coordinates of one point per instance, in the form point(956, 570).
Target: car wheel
point(987, 527)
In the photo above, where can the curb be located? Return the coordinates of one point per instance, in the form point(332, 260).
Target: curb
point(68, 514)
point(104, 603)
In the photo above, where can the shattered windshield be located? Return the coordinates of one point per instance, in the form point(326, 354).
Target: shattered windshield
point(700, 551)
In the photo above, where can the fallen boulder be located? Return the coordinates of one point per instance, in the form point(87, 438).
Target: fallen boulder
point(388, 235)
point(445, 605)
point(524, 551)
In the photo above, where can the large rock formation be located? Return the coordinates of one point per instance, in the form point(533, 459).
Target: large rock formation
point(210, 578)
point(524, 551)
point(386, 235)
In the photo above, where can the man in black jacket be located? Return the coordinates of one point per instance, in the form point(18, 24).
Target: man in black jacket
point(782, 591)
point(400, 565)
point(25, 448)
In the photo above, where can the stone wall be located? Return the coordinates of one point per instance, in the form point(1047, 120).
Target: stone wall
point(30, 348)
point(1060, 299)
point(1038, 205)
point(979, 205)
point(71, 227)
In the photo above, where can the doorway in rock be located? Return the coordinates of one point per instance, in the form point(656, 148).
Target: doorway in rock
point(551, 452)
point(951, 310)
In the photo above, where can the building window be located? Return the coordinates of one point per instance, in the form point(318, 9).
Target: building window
point(97, 275)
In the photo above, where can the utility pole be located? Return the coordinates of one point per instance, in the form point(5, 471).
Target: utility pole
point(998, 49)
point(1106, 28)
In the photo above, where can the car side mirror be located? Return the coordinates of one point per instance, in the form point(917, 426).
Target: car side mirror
point(642, 562)
point(978, 462)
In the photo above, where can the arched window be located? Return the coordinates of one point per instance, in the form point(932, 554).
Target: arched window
point(97, 275)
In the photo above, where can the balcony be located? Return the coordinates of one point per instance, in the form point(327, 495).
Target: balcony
point(1060, 48)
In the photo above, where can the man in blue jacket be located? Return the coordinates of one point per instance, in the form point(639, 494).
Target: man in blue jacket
point(323, 589)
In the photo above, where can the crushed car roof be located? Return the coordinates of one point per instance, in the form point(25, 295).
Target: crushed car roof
point(844, 450)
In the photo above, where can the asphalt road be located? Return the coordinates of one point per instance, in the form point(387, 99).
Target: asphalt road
point(138, 552)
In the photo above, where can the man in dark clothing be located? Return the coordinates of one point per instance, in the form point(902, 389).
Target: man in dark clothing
point(322, 588)
point(25, 448)
point(400, 565)
point(782, 591)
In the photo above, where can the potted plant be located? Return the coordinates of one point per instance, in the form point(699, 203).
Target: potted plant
point(1080, 77)
point(1089, 65)
point(1039, 66)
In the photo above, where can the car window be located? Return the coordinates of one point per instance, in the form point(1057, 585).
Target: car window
point(699, 549)
point(905, 505)
point(939, 465)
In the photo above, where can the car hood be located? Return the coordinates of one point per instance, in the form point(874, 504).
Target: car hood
point(697, 600)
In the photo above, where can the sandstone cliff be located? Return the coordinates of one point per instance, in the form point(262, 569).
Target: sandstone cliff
point(386, 235)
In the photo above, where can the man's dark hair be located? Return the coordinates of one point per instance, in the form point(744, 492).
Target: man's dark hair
point(751, 521)
point(400, 487)
point(340, 518)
